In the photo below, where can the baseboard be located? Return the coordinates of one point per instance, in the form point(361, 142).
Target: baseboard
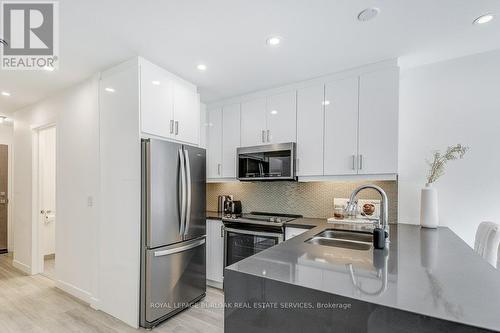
point(95, 303)
point(215, 284)
point(22, 267)
point(81, 294)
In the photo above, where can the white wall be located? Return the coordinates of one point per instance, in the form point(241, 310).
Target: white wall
point(456, 101)
point(75, 113)
point(6, 138)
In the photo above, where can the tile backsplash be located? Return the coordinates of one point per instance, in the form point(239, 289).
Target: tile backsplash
point(311, 199)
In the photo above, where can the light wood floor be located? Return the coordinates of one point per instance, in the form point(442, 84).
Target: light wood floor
point(33, 304)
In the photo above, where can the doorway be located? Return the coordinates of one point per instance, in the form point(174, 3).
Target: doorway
point(4, 177)
point(47, 200)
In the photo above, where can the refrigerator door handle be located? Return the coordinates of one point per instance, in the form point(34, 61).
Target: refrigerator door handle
point(180, 249)
point(188, 192)
point(182, 192)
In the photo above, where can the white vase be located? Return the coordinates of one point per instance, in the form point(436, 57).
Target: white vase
point(429, 207)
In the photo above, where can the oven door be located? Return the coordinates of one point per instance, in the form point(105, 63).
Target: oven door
point(242, 243)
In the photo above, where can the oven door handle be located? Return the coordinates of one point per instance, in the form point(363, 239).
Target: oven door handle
point(256, 233)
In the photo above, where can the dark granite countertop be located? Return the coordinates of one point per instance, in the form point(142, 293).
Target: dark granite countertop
point(213, 215)
point(425, 271)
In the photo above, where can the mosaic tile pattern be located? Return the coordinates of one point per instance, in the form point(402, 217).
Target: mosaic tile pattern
point(314, 199)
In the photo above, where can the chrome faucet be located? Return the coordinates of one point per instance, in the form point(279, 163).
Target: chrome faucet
point(384, 210)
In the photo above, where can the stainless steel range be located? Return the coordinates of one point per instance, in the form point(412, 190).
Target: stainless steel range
point(248, 234)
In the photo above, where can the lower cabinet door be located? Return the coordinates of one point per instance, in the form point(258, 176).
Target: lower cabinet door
point(175, 276)
point(215, 251)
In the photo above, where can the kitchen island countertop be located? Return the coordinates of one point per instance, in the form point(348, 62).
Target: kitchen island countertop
point(427, 272)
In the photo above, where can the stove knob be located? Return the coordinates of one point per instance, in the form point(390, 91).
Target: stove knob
point(278, 220)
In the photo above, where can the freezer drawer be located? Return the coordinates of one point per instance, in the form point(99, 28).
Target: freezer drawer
point(175, 276)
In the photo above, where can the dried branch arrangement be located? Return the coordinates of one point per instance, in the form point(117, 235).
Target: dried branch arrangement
point(437, 165)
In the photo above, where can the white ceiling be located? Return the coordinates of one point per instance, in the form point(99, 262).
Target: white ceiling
point(320, 37)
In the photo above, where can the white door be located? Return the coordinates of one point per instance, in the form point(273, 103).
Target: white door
point(230, 139)
point(214, 143)
point(378, 122)
point(186, 113)
point(47, 190)
point(253, 122)
point(215, 251)
point(157, 102)
point(310, 118)
point(282, 118)
point(341, 127)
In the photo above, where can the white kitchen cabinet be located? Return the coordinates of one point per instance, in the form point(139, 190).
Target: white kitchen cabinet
point(310, 130)
point(291, 232)
point(215, 251)
point(186, 113)
point(378, 122)
point(169, 106)
point(282, 118)
point(203, 126)
point(253, 122)
point(214, 143)
point(341, 127)
point(157, 101)
point(230, 139)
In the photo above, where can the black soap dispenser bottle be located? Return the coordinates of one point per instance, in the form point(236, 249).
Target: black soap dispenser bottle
point(379, 236)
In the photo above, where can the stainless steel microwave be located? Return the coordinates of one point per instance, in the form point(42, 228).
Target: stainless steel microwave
point(267, 162)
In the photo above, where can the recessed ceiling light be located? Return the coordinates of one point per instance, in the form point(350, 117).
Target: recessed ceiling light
point(48, 68)
point(326, 103)
point(483, 19)
point(274, 112)
point(111, 90)
point(273, 41)
point(202, 67)
point(368, 14)
point(5, 93)
point(156, 83)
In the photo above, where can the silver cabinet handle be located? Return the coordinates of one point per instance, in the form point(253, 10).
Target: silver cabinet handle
point(360, 162)
point(176, 128)
point(354, 162)
point(182, 192)
point(171, 126)
point(222, 230)
point(263, 136)
point(297, 165)
point(188, 192)
point(180, 249)
point(268, 135)
point(218, 169)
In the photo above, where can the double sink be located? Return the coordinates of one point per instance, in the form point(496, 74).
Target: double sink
point(353, 240)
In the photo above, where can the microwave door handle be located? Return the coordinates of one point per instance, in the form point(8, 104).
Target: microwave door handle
point(188, 191)
point(182, 193)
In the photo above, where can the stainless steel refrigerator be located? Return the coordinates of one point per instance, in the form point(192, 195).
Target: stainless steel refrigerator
point(173, 268)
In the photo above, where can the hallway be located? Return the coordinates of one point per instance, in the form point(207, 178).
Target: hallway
point(33, 304)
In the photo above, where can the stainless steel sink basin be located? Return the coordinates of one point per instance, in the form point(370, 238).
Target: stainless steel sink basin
point(345, 239)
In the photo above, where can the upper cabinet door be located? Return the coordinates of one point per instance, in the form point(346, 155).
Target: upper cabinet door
point(186, 113)
point(214, 143)
point(253, 122)
point(310, 124)
point(341, 127)
point(156, 101)
point(282, 118)
point(230, 139)
point(378, 122)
